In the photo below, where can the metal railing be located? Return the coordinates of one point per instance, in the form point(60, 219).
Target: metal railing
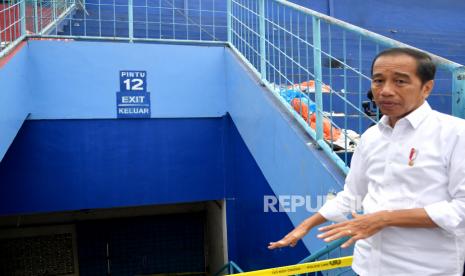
point(147, 20)
point(331, 250)
point(44, 16)
point(229, 268)
point(318, 66)
point(313, 61)
point(313, 267)
point(193, 21)
point(20, 18)
point(12, 24)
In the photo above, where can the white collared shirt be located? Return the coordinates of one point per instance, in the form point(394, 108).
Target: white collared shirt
point(381, 175)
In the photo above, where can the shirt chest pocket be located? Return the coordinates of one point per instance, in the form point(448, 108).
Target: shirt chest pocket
point(420, 161)
point(417, 170)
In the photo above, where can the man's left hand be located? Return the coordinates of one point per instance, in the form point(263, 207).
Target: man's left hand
point(360, 227)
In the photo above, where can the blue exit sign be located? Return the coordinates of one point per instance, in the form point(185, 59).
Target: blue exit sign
point(133, 100)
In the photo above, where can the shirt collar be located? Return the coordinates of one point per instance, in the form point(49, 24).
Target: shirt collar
point(414, 118)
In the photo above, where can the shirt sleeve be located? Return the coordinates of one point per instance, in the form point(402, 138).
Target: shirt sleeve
point(355, 189)
point(450, 214)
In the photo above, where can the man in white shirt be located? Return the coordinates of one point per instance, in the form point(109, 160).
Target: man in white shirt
point(409, 169)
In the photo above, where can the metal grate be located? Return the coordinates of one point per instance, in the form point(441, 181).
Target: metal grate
point(40, 255)
point(165, 244)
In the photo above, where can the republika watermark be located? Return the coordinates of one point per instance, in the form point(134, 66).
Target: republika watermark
point(291, 203)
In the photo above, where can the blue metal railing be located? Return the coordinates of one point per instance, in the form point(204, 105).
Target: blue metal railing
point(147, 20)
point(288, 47)
point(324, 62)
point(229, 268)
point(325, 253)
point(232, 268)
point(190, 21)
point(328, 248)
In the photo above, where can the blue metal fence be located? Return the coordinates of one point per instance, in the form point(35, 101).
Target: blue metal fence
point(329, 251)
point(311, 61)
point(318, 66)
point(146, 20)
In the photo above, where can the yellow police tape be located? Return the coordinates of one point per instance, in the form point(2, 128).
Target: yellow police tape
point(301, 268)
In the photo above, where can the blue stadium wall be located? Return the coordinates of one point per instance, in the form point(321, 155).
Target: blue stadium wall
point(435, 16)
point(436, 25)
point(58, 165)
point(72, 153)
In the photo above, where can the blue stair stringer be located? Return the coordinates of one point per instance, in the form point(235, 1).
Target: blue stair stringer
point(289, 159)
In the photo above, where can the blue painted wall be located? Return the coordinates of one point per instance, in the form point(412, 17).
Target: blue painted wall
point(79, 80)
point(250, 229)
point(14, 98)
point(58, 165)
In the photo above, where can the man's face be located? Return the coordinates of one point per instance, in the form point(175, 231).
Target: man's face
point(397, 90)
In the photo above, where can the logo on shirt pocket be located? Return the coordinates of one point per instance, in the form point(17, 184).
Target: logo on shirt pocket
point(412, 156)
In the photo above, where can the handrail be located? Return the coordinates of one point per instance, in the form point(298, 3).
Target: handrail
point(5, 51)
point(82, 6)
point(324, 250)
point(57, 20)
point(302, 268)
point(231, 267)
point(235, 266)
